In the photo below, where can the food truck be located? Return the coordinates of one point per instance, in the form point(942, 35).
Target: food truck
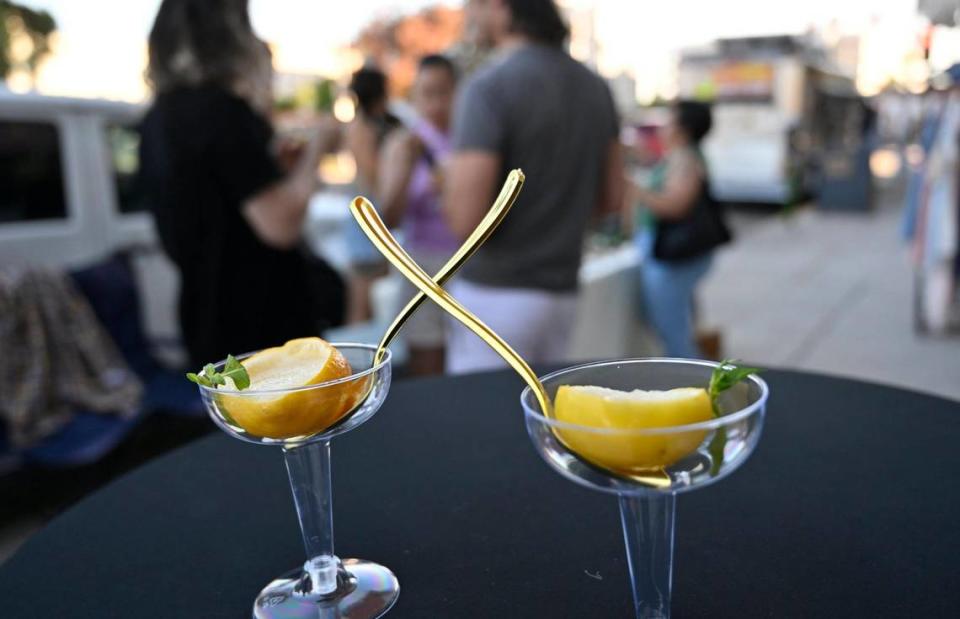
point(786, 123)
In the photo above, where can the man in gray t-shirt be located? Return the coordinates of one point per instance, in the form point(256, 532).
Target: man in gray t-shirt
point(536, 108)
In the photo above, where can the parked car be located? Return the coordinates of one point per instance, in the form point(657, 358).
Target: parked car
point(69, 196)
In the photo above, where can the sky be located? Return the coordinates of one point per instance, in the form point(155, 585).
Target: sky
point(101, 46)
point(644, 37)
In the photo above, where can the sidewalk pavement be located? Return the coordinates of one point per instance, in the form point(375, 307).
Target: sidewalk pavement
point(830, 293)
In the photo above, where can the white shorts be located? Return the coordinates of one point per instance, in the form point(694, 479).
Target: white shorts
point(536, 323)
point(427, 327)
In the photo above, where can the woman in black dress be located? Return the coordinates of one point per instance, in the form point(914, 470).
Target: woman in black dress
point(227, 213)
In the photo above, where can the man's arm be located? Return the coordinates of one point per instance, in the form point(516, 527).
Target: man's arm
point(471, 172)
point(628, 216)
point(611, 199)
point(471, 180)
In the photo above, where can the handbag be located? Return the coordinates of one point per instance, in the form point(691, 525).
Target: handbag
point(700, 231)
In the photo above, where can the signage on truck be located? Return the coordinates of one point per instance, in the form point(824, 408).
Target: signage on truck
point(736, 81)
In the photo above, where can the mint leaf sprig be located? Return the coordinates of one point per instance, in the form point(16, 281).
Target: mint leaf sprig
point(210, 377)
point(724, 376)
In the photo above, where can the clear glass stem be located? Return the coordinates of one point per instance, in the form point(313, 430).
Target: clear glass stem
point(309, 469)
point(648, 522)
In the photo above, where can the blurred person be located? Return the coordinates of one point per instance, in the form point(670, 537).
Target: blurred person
point(364, 138)
point(410, 188)
point(226, 213)
point(679, 226)
point(643, 152)
point(536, 108)
point(646, 147)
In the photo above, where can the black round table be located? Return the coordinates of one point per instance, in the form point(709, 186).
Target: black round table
point(850, 507)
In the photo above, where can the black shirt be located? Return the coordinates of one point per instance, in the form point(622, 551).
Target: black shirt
point(204, 152)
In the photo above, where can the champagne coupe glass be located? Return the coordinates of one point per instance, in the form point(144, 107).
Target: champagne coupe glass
point(647, 467)
point(325, 587)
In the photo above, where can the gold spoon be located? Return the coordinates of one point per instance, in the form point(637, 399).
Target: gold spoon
point(378, 233)
point(508, 195)
point(366, 215)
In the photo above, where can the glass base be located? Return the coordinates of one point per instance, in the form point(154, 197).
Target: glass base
point(368, 592)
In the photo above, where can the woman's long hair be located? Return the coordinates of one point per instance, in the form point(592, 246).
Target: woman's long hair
point(200, 42)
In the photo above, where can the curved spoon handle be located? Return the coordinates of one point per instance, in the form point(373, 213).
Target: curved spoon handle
point(366, 215)
point(508, 195)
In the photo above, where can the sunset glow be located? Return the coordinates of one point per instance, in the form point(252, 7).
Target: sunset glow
point(100, 49)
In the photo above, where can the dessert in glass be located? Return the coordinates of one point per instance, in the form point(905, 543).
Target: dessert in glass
point(299, 397)
point(646, 430)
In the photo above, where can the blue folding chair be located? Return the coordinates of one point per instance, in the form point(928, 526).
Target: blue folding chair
point(111, 288)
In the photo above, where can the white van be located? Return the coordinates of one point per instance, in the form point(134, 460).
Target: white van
point(69, 197)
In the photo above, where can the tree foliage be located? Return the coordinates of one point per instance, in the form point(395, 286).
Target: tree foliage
point(396, 43)
point(17, 20)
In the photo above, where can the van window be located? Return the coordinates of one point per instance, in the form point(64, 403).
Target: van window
point(31, 174)
point(124, 143)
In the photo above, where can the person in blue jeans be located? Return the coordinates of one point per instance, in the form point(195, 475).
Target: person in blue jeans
point(676, 187)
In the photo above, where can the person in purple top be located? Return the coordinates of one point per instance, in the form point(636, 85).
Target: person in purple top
point(409, 190)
